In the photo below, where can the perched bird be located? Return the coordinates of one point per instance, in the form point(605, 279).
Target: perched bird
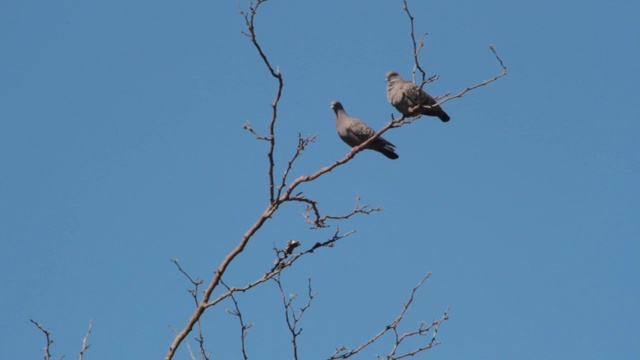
point(410, 100)
point(355, 132)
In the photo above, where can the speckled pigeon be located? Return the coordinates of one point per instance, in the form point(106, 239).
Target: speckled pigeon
point(410, 100)
point(355, 132)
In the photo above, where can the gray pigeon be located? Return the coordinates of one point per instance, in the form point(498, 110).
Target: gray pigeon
point(355, 132)
point(410, 100)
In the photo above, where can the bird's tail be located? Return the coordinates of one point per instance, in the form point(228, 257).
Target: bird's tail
point(389, 152)
point(443, 116)
point(435, 110)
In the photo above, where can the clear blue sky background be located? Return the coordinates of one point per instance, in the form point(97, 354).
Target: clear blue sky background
point(122, 148)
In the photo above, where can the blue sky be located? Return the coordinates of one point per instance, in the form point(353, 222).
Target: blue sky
point(122, 142)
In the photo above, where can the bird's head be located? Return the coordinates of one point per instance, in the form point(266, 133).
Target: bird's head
point(392, 75)
point(335, 105)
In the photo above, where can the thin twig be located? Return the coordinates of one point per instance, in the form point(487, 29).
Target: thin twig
point(195, 282)
point(416, 48)
point(280, 264)
point(186, 343)
point(47, 334)
point(85, 346)
point(421, 331)
point(302, 144)
point(416, 53)
point(319, 221)
point(488, 81)
point(249, 19)
point(247, 126)
point(447, 97)
point(291, 318)
point(343, 352)
point(194, 294)
point(244, 328)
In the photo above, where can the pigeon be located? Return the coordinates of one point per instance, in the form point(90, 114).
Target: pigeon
point(355, 132)
point(410, 100)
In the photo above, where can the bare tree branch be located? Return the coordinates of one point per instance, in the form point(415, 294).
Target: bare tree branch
point(47, 334)
point(290, 316)
point(302, 144)
point(416, 60)
point(312, 215)
point(448, 97)
point(47, 348)
point(280, 265)
point(249, 18)
point(463, 92)
point(247, 126)
point(350, 155)
point(85, 346)
point(343, 352)
point(244, 328)
point(186, 343)
point(421, 331)
point(358, 209)
point(284, 260)
point(194, 294)
point(416, 48)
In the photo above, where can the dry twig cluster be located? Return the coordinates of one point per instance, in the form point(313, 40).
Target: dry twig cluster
point(49, 341)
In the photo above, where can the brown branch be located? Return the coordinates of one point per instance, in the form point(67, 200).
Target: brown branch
point(196, 283)
point(47, 348)
point(249, 19)
point(463, 92)
point(421, 331)
point(244, 328)
point(280, 264)
point(416, 48)
point(85, 346)
point(47, 334)
point(302, 144)
point(191, 354)
point(319, 221)
point(355, 150)
point(194, 294)
point(290, 316)
point(446, 97)
point(364, 209)
point(312, 206)
point(247, 126)
point(416, 53)
point(275, 202)
point(343, 352)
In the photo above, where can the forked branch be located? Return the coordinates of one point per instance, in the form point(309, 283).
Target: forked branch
point(85, 344)
point(244, 327)
point(49, 341)
point(417, 48)
point(249, 18)
point(291, 317)
point(344, 352)
point(47, 335)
